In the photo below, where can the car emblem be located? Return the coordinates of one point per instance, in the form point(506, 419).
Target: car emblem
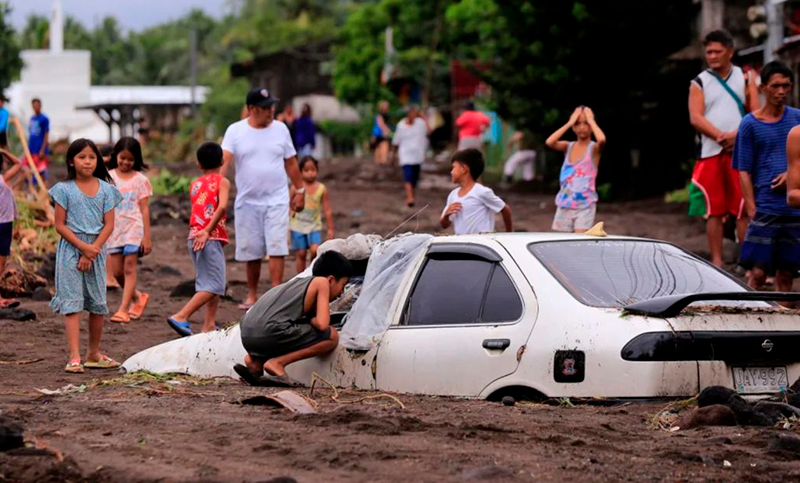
point(767, 345)
point(569, 367)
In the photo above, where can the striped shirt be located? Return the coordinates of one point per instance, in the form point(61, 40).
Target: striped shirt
point(761, 151)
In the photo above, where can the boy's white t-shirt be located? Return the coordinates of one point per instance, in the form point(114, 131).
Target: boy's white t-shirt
point(478, 210)
point(411, 141)
point(259, 155)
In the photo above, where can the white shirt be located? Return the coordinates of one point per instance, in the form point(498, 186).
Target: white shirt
point(720, 108)
point(478, 210)
point(411, 141)
point(259, 155)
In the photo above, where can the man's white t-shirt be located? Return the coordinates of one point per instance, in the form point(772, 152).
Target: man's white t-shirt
point(478, 210)
point(411, 141)
point(259, 155)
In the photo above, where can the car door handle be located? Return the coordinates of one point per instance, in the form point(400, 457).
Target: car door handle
point(496, 344)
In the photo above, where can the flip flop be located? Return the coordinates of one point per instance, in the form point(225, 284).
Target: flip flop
point(121, 317)
point(269, 380)
point(246, 305)
point(105, 362)
point(138, 308)
point(181, 327)
point(245, 374)
point(74, 367)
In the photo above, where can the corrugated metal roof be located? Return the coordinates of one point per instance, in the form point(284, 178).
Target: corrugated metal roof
point(143, 95)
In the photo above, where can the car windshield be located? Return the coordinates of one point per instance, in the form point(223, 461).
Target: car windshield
point(615, 273)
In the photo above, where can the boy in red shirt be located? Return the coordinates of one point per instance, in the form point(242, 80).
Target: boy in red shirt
point(471, 124)
point(207, 236)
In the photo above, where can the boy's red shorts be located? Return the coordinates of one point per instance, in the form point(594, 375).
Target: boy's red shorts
point(719, 182)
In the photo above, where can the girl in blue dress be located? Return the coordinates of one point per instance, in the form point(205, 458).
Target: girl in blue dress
point(84, 205)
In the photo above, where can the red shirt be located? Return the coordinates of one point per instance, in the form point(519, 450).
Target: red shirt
point(205, 200)
point(471, 124)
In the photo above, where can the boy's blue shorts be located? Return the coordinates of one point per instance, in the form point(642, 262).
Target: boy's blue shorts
point(411, 174)
point(302, 241)
point(772, 243)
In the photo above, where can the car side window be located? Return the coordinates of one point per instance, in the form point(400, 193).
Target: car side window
point(462, 290)
point(502, 300)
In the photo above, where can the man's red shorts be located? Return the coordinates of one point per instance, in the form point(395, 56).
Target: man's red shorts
point(719, 182)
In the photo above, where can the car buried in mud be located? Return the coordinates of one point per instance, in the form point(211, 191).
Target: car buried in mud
point(546, 315)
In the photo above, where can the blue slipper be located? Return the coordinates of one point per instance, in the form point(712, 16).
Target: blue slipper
point(181, 328)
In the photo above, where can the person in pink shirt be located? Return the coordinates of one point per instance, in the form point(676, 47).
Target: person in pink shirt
point(471, 124)
point(131, 236)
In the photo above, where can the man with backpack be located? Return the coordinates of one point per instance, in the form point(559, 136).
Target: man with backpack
point(718, 100)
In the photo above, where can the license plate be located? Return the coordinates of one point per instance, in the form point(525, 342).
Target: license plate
point(754, 380)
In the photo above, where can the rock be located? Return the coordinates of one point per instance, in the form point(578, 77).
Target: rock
point(17, 314)
point(777, 410)
point(10, 434)
point(488, 473)
point(509, 401)
point(280, 479)
point(183, 289)
point(714, 415)
point(785, 445)
point(41, 294)
point(167, 271)
point(745, 413)
point(796, 386)
point(715, 395)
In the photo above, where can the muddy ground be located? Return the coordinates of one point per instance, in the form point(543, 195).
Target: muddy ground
point(127, 430)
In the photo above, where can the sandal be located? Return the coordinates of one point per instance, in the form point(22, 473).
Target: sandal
point(105, 362)
point(121, 317)
point(74, 366)
point(182, 327)
point(8, 303)
point(138, 308)
point(246, 375)
point(246, 305)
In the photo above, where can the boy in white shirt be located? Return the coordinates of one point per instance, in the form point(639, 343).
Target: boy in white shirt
point(471, 208)
point(411, 142)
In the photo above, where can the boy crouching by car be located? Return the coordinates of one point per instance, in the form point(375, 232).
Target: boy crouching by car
point(291, 322)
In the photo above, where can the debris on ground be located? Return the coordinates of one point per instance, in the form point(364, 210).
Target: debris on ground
point(291, 400)
point(68, 389)
point(17, 313)
point(10, 434)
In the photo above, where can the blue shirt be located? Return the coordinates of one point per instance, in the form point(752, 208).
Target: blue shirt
point(304, 132)
point(38, 127)
point(3, 119)
point(761, 151)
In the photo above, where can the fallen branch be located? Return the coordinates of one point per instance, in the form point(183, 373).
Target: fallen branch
point(316, 377)
point(20, 363)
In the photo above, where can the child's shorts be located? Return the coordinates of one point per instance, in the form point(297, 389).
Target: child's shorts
point(303, 241)
point(568, 220)
point(125, 250)
point(771, 243)
point(411, 174)
point(6, 233)
point(284, 337)
point(209, 265)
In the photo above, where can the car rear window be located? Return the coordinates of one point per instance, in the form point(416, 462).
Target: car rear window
point(615, 273)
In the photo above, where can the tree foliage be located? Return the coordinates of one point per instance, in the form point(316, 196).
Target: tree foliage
point(9, 50)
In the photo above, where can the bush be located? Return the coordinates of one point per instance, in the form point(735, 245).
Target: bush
point(166, 183)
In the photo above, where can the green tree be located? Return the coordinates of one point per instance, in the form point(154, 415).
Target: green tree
point(9, 50)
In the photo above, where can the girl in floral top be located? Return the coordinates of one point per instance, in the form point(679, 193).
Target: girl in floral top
point(576, 202)
point(8, 213)
point(131, 237)
point(207, 237)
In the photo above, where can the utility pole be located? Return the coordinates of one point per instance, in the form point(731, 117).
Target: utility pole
point(774, 16)
point(193, 67)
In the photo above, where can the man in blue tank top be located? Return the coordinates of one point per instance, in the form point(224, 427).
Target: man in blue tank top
point(772, 243)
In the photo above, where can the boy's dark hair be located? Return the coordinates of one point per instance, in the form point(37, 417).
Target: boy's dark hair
point(36, 99)
point(308, 159)
point(472, 159)
point(106, 150)
point(209, 155)
point(720, 36)
point(131, 145)
point(332, 264)
point(775, 67)
point(78, 145)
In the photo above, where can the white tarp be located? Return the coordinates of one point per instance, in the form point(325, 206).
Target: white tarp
point(388, 265)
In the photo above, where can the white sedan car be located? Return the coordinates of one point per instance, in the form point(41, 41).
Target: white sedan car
point(548, 315)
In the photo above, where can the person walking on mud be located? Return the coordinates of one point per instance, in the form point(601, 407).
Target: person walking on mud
point(381, 134)
point(718, 99)
point(771, 244)
point(263, 152)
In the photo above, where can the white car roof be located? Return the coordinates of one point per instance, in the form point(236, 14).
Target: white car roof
point(529, 237)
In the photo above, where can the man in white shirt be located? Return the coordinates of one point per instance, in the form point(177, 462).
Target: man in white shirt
point(264, 155)
point(411, 141)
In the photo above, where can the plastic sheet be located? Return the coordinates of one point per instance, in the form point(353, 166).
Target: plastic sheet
point(388, 266)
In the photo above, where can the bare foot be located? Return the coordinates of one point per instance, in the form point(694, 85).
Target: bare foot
point(273, 368)
point(252, 366)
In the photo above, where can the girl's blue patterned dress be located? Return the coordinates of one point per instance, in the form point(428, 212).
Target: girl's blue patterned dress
point(75, 290)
